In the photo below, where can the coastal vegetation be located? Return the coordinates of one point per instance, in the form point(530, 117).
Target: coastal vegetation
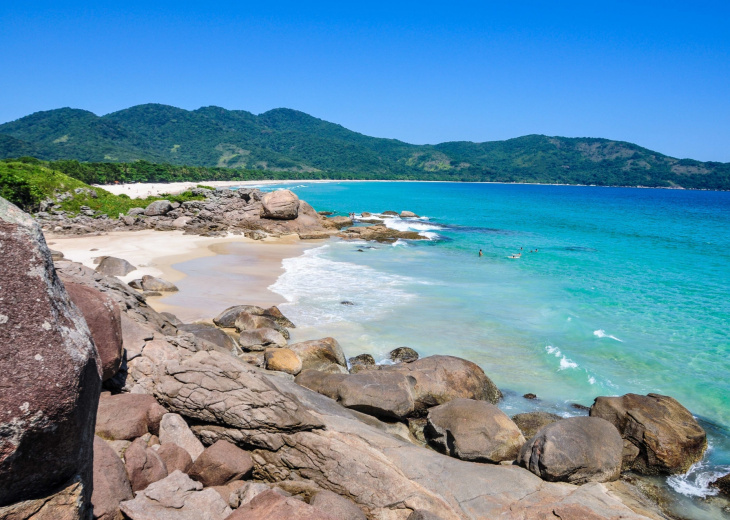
point(159, 143)
point(29, 183)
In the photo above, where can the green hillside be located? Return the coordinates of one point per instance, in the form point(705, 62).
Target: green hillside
point(284, 140)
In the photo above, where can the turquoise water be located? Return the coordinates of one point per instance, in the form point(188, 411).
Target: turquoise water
point(627, 292)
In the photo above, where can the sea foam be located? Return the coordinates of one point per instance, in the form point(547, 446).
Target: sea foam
point(600, 333)
point(696, 482)
point(314, 287)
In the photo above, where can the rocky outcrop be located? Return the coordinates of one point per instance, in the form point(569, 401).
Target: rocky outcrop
point(247, 321)
point(50, 375)
point(221, 463)
point(282, 360)
point(178, 497)
point(530, 423)
point(379, 233)
point(408, 214)
point(104, 319)
point(723, 484)
point(112, 266)
point(661, 435)
point(363, 361)
point(257, 340)
point(337, 222)
point(111, 485)
point(336, 506)
point(213, 335)
point(280, 205)
point(473, 430)
point(575, 450)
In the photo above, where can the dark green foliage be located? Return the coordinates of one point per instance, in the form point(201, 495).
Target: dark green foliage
point(152, 142)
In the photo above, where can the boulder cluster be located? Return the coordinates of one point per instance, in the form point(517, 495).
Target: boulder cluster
point(114, 410)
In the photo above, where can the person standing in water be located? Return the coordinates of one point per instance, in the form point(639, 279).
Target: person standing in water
point(480, 253)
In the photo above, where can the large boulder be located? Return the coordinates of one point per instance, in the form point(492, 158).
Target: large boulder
point(382, 394)
point(50, 374)
point(227, 318)
point(282, 360)
point(211, 334)
point(280, 205)
point(144, 466)
point(530, 423)
point(662, 436)
point(575, 450)
point(157, 208)
point(256, 340)
point(473, 430)
point(128, 416)
point(174, 457)
point(270, 505)
point(221, 463)
point(112, 266)
point(248, 321)
point(111, 485)
point(176, 497)
point(174, 430)
point(320, 354)
point(103, 317)
point(723, 484)
point(403, 355)
point(152, 283)
point(275, 314)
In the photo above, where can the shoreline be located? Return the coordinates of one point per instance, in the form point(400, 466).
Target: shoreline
point(162, 253)
point(143, 190)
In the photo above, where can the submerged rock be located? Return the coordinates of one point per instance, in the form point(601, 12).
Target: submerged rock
point(664, 437)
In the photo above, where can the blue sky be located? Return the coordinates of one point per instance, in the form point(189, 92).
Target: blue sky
point(653, 73)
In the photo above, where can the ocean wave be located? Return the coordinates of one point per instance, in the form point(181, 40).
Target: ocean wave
point(600, 333)
point(314, 286)
point(565, 363)
point(696, 482)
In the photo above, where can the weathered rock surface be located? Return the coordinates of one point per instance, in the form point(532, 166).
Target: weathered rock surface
point(275, 314)
point(70, 502)
point(280, 204)
point(103, 317)
point(210, 334)
point(575, 450)
point(320, 354)
point(273, 506)
point(247, 321)
point(408, 214)
point(337, 506)
point(473, 430)
point(531, 422)
point(49, 373)
point(174, 430)
point(337, 222)
point(282, 360)
point(360, 362)
point(144, 466)
point(176, 497)
point(152, 283)
point(111, 266)
point(128, 416)
point(257, 340)
point(175, 457)
point(228, 317)
point(424, 515)
point(382, 394)
point(403, 355)
point(221, 463)
point(111, 485)
point(158, 207)
point(665, 436)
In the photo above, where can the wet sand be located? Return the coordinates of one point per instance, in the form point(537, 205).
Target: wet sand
point(211, 273)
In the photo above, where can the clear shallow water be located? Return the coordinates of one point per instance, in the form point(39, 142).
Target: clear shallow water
point(628, 291)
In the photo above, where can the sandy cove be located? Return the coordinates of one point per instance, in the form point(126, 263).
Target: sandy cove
point(250, 266)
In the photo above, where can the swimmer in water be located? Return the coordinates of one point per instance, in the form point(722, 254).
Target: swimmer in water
point(480, 253)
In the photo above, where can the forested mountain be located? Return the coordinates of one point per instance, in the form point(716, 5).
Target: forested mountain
point(284, 140)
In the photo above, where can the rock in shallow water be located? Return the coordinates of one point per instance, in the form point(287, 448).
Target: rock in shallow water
point(666, 437)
